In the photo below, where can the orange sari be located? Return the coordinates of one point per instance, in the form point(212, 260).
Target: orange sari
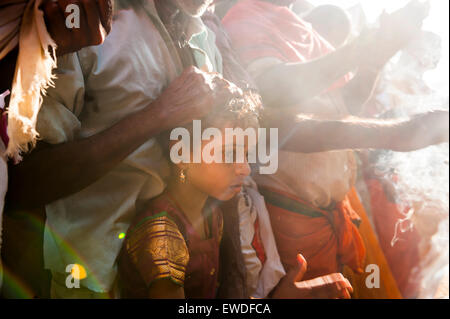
point(328, 239)
point(388, 288)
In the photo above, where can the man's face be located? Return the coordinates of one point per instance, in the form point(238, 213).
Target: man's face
point(194, 8)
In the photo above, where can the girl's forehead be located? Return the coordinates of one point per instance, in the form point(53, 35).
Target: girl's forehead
point(232, 141)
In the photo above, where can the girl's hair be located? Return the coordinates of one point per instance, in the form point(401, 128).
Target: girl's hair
point(243, 112)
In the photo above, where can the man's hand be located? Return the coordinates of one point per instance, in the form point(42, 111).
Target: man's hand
point(396, 31)
point(333, 286)
point(95, 23)
point(420, 131)
point(193, 95)
point(404, 24)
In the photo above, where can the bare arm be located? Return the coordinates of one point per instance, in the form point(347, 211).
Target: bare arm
point(53, 172)
point(308, 135)
point(291, 83)
point(165, 289)
point(358, 91)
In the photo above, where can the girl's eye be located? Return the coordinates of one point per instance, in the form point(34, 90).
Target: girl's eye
point(232, 154)
point(227, 155)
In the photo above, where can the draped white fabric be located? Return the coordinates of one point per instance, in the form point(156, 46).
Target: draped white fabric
point(22, 22)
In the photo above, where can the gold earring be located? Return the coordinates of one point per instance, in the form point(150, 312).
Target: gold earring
point(182, 176)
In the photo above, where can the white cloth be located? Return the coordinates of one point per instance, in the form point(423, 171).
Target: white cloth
point(33, 74)
point(3, 188)
point(261, 278)
point(95, 88)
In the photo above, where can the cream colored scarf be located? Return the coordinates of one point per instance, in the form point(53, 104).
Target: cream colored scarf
point(22, 22)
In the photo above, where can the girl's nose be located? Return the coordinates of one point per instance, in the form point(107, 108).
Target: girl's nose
point(243, 168)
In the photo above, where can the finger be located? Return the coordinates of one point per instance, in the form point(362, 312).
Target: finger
point(345, 294)
point(332, 291)
point(218, 84)
point(347, 285)
point(106, 13)
point(193, 69)
point(340, 286)
point(225, 96)
point(303, 266)
point(343, 283)
point(296, 273)
point(345, 288)
point(236, 91)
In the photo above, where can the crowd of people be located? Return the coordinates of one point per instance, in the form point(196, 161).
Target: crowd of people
point(89, 189)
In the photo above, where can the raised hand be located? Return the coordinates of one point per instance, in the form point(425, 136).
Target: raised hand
point(193, 95)
point(375, 47)
point(402, 25)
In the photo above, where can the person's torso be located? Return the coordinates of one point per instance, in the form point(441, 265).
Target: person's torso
point(121, 76)
point(201, 272)
point(318, 178)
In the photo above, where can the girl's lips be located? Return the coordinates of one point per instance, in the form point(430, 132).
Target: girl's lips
point(237, 186)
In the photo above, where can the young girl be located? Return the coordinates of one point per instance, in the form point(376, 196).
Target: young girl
point(171, 249)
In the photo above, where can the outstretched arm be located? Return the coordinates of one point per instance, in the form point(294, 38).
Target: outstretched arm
point(51, 172)
point(309, 135)
point(287, 84)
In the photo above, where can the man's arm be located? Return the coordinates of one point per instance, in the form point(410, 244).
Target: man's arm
point(309, 135)
point(55, 171)
point(358, 91)
point(287, 84)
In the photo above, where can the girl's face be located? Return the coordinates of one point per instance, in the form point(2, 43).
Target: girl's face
point(219, 180)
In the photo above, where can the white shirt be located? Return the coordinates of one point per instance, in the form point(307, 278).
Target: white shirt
point(97, 87)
